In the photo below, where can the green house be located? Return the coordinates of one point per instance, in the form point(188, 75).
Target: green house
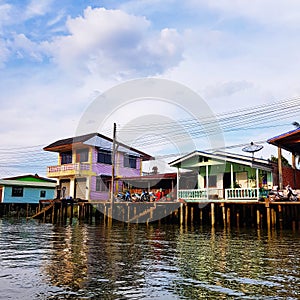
point(221, 175)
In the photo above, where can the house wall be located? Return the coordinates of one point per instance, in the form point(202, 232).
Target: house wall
point(243, 175)
point(30, 195)
point(287, 176)
point(120, 170)
point(97, 169)
point(104, 169)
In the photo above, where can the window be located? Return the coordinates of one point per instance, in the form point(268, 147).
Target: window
point(212, 181)
point(42, 194)
point(104, 157)
point(129, 161)
point(82, 155)
point(66, 157)
point(17, 191)
point(102, 183)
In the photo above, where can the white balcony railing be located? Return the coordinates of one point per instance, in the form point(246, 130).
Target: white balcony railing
point(68, 168)
point(214, 194)
point(241, 193)
point(200, 194)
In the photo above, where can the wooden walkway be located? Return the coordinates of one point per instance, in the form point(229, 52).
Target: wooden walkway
point(225, 213)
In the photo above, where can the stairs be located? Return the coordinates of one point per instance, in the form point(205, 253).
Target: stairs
point(42, 212)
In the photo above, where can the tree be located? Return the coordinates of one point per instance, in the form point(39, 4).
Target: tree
point(283, 159)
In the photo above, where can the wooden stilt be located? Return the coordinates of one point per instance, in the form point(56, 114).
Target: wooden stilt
point(273, 217)
point(128, 211)
point(181, 213)
point(186, 214)
point(268, 215)
point(201, 216)
point(258, 218)
point(228, 217)
point(280, 216)
point(212, 208)
point(224, 214)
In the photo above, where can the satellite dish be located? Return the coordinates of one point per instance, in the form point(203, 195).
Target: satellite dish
point(252, 148)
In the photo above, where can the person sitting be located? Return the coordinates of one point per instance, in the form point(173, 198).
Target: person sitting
point(291, 195)
point(158, 195)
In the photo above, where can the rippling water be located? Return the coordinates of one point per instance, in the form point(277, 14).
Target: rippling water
point(88, 261)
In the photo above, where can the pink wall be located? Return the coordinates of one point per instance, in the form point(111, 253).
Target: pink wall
point(120, 170)
point(103, 169)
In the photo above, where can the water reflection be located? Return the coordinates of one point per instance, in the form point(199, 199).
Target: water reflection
point(139, 261)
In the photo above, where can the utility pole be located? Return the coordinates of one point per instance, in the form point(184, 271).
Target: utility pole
point(113, 164)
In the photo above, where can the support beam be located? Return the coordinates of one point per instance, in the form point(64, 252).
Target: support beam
point(294, 169)
point(280, 183)
point(207, 182)
point(231, 176)
point(177, 184)
point(257, 183)
point(72, 187)
point(213, 221)
point(113, 157)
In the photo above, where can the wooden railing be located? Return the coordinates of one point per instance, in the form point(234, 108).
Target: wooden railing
point(241, 193)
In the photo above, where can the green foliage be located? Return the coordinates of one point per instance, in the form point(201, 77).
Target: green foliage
point(284, 160)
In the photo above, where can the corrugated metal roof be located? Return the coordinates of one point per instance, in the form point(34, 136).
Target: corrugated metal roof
point(4, 182)
point(35, 177)
point(289, 141)
point(226, 157)
point(66, 144)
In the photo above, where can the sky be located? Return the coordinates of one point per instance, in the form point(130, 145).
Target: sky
point(58, 56)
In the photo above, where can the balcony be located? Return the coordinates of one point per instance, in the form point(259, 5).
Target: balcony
point(242, 193)
point(77, 169)
point(198, 195)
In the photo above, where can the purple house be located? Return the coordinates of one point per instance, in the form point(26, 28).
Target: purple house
point(84, 167)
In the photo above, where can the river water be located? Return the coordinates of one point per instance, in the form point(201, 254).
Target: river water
point(136, 261)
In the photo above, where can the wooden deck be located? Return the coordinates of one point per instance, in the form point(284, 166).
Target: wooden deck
point(225, 213)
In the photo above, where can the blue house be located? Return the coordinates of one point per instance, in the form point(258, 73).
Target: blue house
point(26, 189)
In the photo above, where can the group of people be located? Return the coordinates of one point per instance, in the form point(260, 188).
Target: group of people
point(291, 195)
point(143, 197)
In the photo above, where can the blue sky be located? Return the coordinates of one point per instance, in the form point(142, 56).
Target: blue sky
point(57, 56)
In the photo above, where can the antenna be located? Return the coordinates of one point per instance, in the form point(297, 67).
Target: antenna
point(252, 148)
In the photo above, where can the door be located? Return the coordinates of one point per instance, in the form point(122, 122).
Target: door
point(80, 191)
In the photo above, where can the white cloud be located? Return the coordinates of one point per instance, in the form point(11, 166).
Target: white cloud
point(111, 42)
point(24, 47)
point(237, 54)
point(4, 53)
point(226, 88)
point(5, 10)
point(269, 12)
point(37, 8)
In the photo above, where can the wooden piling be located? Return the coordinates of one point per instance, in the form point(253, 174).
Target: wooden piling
point(201, 216)
point(224, 214)
point(267, 205)
point(258, 220)
point(212, 208)
point(228, 217)
point(186, 214)
point(181, 213)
